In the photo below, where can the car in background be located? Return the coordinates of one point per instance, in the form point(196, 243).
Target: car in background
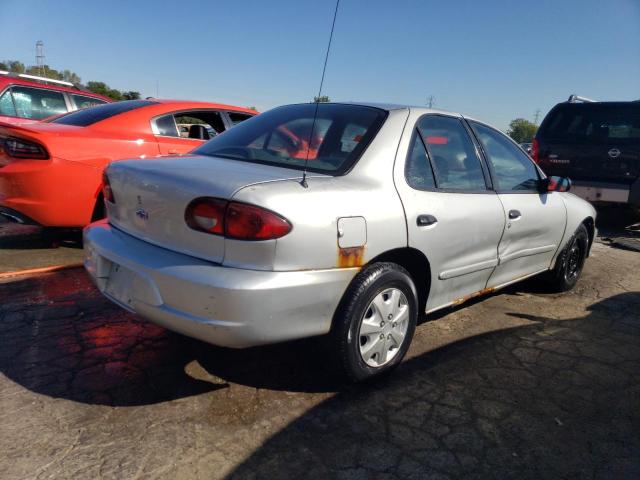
point(28, 98)
point(385, 212)
point(597, 145)
point(51, 171)
point(526, 147)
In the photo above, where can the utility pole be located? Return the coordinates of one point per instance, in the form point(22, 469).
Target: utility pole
point(40, 57)
point(536, 117)
point(431, 101)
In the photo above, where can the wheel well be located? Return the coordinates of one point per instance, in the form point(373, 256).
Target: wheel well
point(414, 262)
point(591, 229)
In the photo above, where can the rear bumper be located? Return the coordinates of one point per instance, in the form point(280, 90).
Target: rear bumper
point(605, 193)
point(224, 306)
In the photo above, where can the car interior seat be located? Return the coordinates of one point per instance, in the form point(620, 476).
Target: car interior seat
point(199, 132)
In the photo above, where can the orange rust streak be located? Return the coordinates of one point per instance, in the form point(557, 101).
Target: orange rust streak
point(35, 271)
point(350, 257)
point(473, 295)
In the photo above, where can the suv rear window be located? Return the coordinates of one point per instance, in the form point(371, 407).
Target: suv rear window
point(287, 137)
point(593, 123)
point(89, 116)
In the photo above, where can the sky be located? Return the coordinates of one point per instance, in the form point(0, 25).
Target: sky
point(495, 60)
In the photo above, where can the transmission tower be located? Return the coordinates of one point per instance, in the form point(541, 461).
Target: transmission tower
point(430, 101)
point(40, 57)
point(536, 117)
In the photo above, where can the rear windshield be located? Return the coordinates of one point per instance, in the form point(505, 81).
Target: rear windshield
point(593, 123)
point(89, 116)
point(287, 137)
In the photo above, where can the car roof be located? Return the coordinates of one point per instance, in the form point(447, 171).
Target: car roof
point(196, 104)
point(395, 106)
point(10, 79)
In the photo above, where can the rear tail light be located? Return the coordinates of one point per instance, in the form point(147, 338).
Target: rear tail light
point(20, 148)
point(235, 220)
point(107, 192)
point(535, 150)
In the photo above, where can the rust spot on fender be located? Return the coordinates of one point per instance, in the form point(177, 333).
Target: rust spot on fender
point(473, 295)
point(350, 257)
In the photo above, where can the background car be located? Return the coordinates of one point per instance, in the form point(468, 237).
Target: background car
point(399, 211)
point(597, 144)
point(27, 98)
point(51, 172)
point(526, 147)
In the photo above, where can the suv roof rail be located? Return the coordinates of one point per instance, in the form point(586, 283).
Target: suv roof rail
point(577, 98)
point(36, 78)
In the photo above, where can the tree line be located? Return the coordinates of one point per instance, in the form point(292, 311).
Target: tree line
point(101, 88)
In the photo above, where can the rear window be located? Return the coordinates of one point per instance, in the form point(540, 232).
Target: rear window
point(593, 123)
point(287, 136)
point(89, 116)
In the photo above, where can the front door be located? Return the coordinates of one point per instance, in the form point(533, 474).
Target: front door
point(534, 220)
point(452, 215)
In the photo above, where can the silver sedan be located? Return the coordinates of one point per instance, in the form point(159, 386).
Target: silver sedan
point(341, 220)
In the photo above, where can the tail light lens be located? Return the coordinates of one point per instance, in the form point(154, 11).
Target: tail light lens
point(535, 150)
point(107, 192)
point(20, 148)
point(236, 220)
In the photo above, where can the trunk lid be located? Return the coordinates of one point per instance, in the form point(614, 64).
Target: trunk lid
point(151, 197)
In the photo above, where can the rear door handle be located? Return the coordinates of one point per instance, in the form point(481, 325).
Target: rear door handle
point(426, 220)
point(513, 214)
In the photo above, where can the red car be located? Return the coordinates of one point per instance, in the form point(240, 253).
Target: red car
point(28, 99)
point(51, 171)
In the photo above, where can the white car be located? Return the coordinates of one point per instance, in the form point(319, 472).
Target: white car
point(345, 220)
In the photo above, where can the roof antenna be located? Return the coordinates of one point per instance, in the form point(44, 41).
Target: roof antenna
point(303, 182)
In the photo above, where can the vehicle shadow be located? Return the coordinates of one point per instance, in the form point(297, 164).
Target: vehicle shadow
point(556, 399)
point(26, 237)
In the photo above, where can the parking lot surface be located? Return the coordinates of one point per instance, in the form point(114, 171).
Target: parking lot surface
point(520, 384)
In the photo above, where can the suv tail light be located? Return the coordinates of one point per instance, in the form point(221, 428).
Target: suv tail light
point(107, 192)
point(20, 148)
point(236, 220)
point(535, 150)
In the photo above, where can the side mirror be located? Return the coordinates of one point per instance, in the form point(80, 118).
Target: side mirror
point(557, 184)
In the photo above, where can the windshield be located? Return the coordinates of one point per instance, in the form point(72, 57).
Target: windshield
point(283, 137)
point(89, 116)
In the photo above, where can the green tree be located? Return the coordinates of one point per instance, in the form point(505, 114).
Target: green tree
point(131, 95)
point(253, 108)
point(4, 66)
point(15, 66)
point(45, 71)
point(103, 89)
point(522, 130)
point(321, 99)
point(69, 76)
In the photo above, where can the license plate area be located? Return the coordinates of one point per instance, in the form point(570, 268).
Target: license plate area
point(120, 285)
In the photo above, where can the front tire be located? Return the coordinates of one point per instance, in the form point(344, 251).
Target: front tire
point(570, 262)
point(375, 322)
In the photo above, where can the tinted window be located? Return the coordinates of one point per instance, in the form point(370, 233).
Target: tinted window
point(83, 118)
point(6, 104)
point(287, 136)
point(418, 169)
point(512, 168)
point(166, 126)
point(593, 123)
point(36, 103)
point(236, 117)
point(83, 101)
point(452, 152)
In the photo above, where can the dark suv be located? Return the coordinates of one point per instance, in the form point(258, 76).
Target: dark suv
point(597, 145)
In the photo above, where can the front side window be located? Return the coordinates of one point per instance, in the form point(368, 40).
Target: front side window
point(82, 101)
point(513, 170)
point(37, 103)
point(452, 152)
point(290, 137)
point(6, 104)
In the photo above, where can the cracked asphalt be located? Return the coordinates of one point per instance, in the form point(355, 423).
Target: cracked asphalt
point(521, 384)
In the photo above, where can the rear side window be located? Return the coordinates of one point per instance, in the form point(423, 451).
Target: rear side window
point(593, 123)
point(453, 155)
point(513, 170)
point(418, 169)
point(82, 101)
point(84, 118)
point(6, 104)
point(288, 136)
point(37, 103)
point(236, 117)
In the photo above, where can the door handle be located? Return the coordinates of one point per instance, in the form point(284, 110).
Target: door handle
point(173, 151)
point(426, 220)
point(514, 214)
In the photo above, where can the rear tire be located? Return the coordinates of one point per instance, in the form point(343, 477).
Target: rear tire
point(375, 322)
point(570, 262)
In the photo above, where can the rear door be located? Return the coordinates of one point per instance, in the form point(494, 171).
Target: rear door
point(534, 222)
point(453, 216)
point(592, 142)
point(182, 131)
